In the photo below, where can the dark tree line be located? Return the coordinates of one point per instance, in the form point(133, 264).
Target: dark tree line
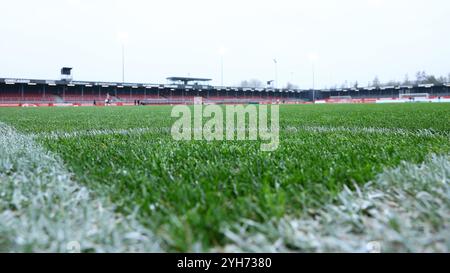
point(421, 78)
point(253, 83)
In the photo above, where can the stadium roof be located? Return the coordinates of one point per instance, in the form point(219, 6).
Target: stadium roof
point(186, 80)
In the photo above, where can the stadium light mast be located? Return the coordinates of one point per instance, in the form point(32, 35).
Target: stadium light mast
point(313, 58)
point(222, 52)
point(123, 63)
point(123, 39)
point(314, 76)
point(275, 61)
point(314, 82)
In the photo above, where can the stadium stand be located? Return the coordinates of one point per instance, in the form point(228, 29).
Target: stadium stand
point(24, 91)
point(15, 97)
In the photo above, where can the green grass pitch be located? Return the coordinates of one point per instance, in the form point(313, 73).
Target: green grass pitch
point(187, 193)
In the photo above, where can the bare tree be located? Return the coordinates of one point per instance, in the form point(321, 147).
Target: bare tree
point(421, 77)
point(431, 79)
point(291, 86)
point(391, 83)
point(376, 82)
point(442, 80)
point(406, 81)
point(253, 83)
point(244, 84)
point(256, 83)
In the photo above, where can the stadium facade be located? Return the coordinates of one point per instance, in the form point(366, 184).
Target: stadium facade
point(181, 91)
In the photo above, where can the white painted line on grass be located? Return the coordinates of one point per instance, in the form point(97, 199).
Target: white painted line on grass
point(290, 129)
point(98, 132)
point(42, 209)
point(406, 209)
point(369, 130)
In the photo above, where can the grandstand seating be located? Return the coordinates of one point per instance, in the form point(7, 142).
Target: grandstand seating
point(23, 91)
point(137, 97)
point(84, 98)
point(16, 97)
point(129, 98)
point(88, 93)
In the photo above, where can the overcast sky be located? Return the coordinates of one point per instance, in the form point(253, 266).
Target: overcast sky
point(345, 39)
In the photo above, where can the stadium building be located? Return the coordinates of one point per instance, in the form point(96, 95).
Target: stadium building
point(183, 90)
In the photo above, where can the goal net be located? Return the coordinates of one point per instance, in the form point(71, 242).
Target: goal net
point(341, 97)
point(415, 96)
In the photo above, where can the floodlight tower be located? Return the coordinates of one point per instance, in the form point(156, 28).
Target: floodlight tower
point(122, 36)
point(313, 58)
point(275, 61)
point(123, 63)
point(222, 52)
